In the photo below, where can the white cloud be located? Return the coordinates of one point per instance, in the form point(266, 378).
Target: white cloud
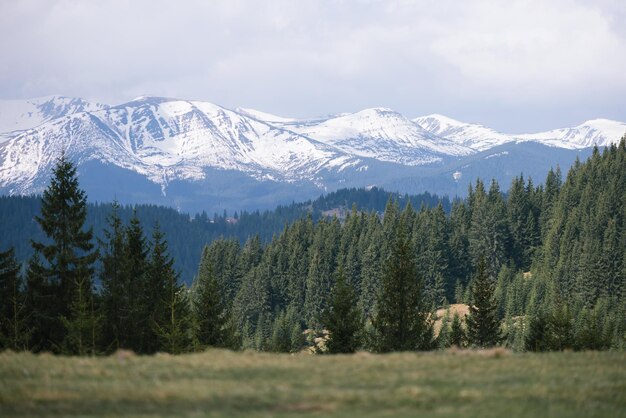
point(470, 59)
point(532, 48)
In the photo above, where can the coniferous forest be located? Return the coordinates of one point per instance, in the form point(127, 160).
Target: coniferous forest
point(188, 234)
point(540, 268)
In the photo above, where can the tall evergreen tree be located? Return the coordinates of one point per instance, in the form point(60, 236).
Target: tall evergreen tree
point(286, 334)
point(342, 319)
point(560, 327)
point(82, 323)
point(138, 332)
point(69, 253)
point(41, 303)
point(458, 336)
point(483, 327)
point(13, 330)
point(210, 315)
point(537, 338)
point(401, 321)
point(114, 279)
point(166, 301)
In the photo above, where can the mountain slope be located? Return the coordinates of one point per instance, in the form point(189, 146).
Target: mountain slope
point(197, 155)
point(382, 134)
point(477, 137)
point(600, 132)
point(26, 114)
point(166, 140)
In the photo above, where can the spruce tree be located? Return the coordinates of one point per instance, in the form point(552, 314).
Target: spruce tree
point(166, 301)
point(443, 339)
point(114, 279)
point(457, 337)
point(488, 235)
point(138, 329)
point(342, 319)
point(560, 327)
point(82, 323)
point(537, 338)
point(69, 251)
point(13, 330)
point(483, 327)
point(209, 312)
point(283, 336)
point(401, 320)
point(370, 276)
point(41, 312)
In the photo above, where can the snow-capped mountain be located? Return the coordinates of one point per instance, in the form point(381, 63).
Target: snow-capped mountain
point(476, 137)
point(600, 132)
point(25, 114)
point(198, 155)
point(165, 140)
point(379, 133)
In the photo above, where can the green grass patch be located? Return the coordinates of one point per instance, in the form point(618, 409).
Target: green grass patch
point(220, 383)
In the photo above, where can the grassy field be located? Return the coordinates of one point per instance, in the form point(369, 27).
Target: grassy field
point(226, 384)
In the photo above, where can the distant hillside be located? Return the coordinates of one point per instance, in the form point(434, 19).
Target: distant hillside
point(188, 234)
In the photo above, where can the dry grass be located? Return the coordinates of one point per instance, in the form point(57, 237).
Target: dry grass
point(217, 383)
point(460, 308)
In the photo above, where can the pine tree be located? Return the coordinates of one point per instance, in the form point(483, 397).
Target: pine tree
point(457, 335)
point(298, 340)
point(41, 308)
point(443, 339)
point(561, 327)
point(370, 278)
point(489, 228)
point(282, 332)
point(263, 333)
point(342, 319)
point(318, 285)
point(483, 327)
point(138, 328)
point(210, 316)
point(590, 330)
point(82, 322)
point(537, 338)
point(13, 330)
point(115, 280)
point(401, 320)
point(70, 253)
point(167, 302)
point(281, 335)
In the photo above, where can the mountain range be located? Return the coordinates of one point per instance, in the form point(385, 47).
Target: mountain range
point(197, 156)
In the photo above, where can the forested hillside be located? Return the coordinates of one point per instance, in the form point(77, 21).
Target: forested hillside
point(542, 268)
point(187, 234)
point(553, 254)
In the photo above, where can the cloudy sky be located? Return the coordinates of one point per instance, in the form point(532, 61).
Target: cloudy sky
point(514, 65)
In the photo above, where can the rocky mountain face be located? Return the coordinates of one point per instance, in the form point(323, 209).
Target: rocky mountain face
point(198, 155)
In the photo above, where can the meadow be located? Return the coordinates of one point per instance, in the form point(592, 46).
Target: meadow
point(219, 383)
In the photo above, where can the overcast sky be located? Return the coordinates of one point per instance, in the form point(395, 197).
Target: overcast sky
point(517, 66)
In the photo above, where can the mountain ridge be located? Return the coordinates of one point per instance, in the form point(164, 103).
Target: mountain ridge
point(189, 147)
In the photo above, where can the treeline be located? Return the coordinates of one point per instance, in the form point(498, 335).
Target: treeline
point(187, 235)
point(541, 268)
point(552, 277)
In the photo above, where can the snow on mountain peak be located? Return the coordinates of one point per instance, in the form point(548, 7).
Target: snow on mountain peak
point(383, 134)
point(165, 139)
point(474, 136)
point(263, 116)
point(17, 115)
point(600, 132)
